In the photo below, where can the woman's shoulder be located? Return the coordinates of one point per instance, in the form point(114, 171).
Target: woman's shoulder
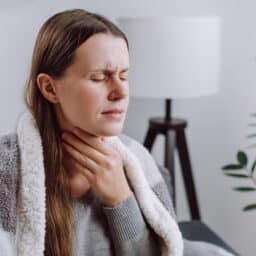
point(9, 161)
point(147, 161)
point(9, 139)
point(132, 143)
point(135, 146)
point(8, 147)
point(152, 172)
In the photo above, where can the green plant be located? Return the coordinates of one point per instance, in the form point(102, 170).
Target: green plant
point(243, 170)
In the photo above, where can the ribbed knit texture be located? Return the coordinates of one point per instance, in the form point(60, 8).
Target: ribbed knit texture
point(125, 220)
point(105, 231)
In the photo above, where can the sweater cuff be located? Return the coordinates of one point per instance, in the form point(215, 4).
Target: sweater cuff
point(125, 220)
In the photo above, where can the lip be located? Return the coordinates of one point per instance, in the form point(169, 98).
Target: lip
point(117, 114)
point(114, 111)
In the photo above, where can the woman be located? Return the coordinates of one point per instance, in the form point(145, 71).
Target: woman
point(69, 184)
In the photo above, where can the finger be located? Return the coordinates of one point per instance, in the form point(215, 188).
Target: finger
point(83, 160)
point(94, 141)
point(84, 148)
point(86, 173)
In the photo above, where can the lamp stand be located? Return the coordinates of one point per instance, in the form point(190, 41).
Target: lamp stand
point(174, 131)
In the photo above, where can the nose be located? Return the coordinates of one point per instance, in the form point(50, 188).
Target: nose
point(119, 89)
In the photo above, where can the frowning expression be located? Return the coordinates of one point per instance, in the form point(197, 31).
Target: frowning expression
point(96, 83)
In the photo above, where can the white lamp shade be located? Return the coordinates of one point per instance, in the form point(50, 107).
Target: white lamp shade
point(173, 57)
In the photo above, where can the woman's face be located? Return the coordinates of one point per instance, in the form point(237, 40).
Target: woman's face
point(95, 83)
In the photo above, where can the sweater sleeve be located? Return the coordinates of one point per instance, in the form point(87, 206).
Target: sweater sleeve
point(130, 233)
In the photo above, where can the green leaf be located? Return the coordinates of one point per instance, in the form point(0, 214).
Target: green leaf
point(242, 158)
point(249, 207)
point(232, 167)
point(235, 175)
point(244, 189)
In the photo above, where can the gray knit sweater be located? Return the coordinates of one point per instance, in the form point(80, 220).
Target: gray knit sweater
point(128, 229)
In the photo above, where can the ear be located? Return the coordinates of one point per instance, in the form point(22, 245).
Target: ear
point(47, 87)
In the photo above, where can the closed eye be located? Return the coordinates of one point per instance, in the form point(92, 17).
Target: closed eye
point(104, 76)
point(98, 78)
point(124, 76)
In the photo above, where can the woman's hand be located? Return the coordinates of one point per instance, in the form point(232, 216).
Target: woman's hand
point(101, 166)
point(78, 182)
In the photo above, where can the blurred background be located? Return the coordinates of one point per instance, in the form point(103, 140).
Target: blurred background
point(217, 124)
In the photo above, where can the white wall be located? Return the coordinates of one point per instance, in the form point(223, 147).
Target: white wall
point(217, 124)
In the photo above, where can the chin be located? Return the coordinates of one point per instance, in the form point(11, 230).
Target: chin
point(114, 131)
point(103, 130)
point(110, 133)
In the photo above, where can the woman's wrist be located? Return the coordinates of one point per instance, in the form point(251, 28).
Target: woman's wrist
point(119, 199)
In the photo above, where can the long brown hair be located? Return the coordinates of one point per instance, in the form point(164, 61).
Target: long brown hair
point(53, 53)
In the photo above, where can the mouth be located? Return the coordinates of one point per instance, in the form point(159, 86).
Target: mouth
point(114, 113)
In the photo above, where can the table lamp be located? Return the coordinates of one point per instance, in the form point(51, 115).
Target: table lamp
point(170, 58)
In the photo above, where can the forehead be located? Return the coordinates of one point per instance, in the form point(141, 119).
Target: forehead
point(102, 51)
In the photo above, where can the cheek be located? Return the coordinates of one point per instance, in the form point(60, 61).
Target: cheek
point(81, 103)
point(91, 99)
